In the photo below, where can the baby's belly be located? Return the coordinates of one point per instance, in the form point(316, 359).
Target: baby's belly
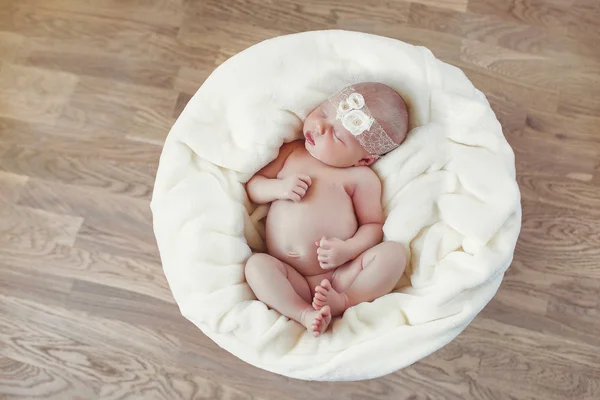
point(292, 228)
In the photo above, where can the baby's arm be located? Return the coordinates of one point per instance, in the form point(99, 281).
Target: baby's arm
point(264, 187)
point(367, 206)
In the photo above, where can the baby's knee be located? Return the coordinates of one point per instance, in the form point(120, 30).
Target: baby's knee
point(258, 265)
point(255, 265)
point(395, 249)
point(393, 253)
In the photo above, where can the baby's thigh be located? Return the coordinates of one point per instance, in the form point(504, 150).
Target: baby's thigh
point(345, 275)
point(263, 271)
point(300, 284)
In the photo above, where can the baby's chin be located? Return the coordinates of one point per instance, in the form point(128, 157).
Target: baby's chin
point(309, 148)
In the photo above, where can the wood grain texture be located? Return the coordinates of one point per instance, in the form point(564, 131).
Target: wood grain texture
point(88, 92)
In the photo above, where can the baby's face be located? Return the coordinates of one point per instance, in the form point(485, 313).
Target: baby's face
point(328, 141)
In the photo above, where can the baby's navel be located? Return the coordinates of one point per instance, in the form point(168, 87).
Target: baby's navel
point(293, 254)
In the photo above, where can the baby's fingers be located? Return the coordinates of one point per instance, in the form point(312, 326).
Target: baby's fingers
point(302, 184)
point(295, 197)
point(322, 252)
point(325, 243)
point(305, 178)
point(299, 191)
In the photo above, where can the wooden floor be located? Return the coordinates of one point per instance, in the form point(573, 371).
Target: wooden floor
point(88, 92)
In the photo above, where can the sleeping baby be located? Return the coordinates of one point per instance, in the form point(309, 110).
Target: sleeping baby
point(324, 228)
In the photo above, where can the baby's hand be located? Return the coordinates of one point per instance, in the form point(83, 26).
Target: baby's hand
point(294, 187)
point(332, 252)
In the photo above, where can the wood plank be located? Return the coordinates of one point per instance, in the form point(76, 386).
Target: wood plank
point(561, 192)
point(41, 252)
point(32, 284)
point(138, 72)
point(189, 80)
point(18, 221)
point(559, 16)
point(537, 98)
point(34, 21)
point(114, 223)
point(11, 186)
point(163, 48)
point(526, 288)
point(522, 363)
point(444, 46)
point(572, 149)
point(49, 322)
point(201, 30)
point(124, 305)
point(580, 95)
point(211, 21)
point(155, 12)
point(132, 179)
point(365, 16)
point(71, 143)
point(118, 37)
point(526, 68)
point(151, 127)
point(499, 31)
point(125, 357)
point(106, 107)
point(95, 353)
point(33, 94)
point(10, 45)
point(130, 97)
point(456, 5)
point(575, 132)
point(575, 303)
point(516, 317)
point(20, 380)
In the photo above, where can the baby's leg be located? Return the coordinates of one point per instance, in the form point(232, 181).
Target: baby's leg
point(282, 288)
point(371, 275)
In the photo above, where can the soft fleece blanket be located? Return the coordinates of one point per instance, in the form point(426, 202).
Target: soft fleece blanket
point(449, 195)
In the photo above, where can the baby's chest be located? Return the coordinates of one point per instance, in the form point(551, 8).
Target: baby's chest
point(323, 177)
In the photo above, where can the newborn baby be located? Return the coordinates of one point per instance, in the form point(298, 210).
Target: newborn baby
point(324, 228)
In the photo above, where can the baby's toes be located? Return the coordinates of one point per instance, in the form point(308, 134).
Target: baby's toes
point(325, 284)
point(320, 290)
point(315, 330)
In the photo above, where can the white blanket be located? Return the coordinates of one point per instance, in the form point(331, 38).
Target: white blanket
point(449, 195)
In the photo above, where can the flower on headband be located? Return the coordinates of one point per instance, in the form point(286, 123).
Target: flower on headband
point(356, 122)
point(343, 108)
point(356, 100)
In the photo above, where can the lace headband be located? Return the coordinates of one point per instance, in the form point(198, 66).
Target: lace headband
point(358, 120)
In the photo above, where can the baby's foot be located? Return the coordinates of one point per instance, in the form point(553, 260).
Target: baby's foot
point(317, 321)
point(325, 295)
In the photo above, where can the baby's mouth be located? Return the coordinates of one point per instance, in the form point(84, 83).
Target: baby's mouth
point(309, 138)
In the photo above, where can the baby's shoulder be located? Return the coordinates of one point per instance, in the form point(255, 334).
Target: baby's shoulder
point(364, 175)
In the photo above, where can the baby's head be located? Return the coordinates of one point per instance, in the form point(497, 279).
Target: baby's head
point(356, 125)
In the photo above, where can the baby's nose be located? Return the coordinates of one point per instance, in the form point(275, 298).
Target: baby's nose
point(321, 128)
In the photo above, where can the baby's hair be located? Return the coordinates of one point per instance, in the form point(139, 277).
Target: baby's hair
point(387, 107)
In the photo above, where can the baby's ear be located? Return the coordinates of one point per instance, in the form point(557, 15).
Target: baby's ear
point(370, 159)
